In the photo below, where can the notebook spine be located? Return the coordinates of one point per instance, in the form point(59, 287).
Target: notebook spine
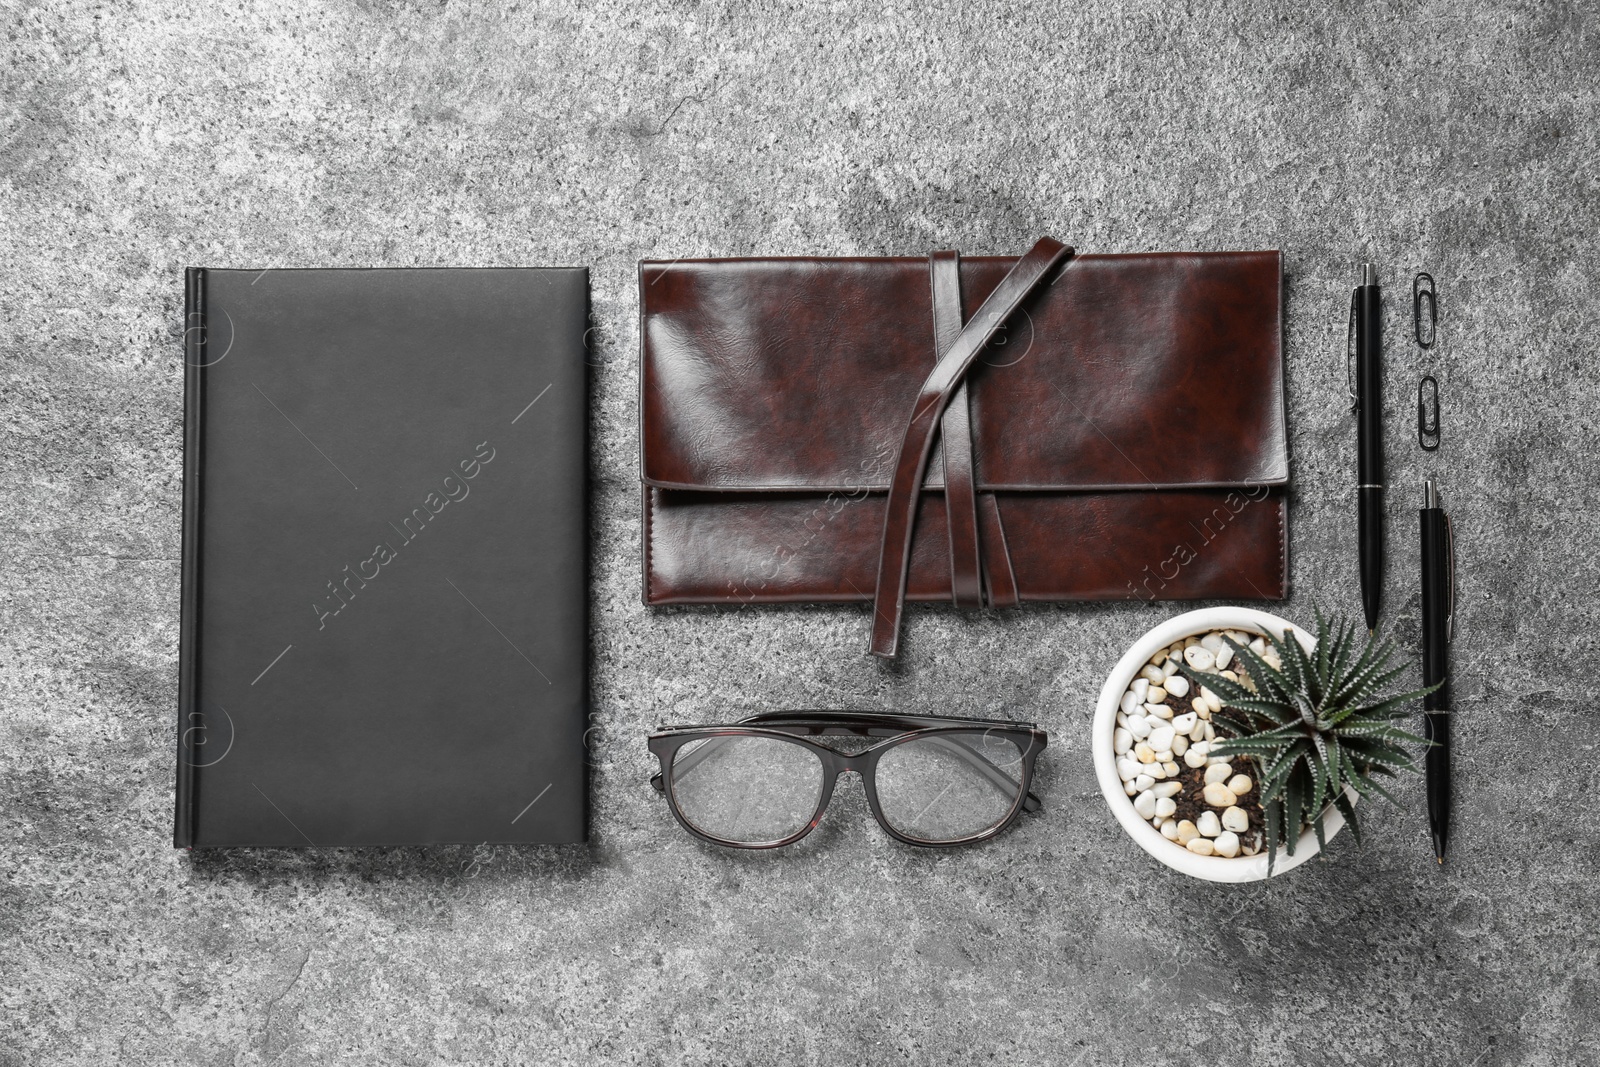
point(194, 361)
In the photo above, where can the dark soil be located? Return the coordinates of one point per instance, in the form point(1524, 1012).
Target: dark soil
point(1191, 805)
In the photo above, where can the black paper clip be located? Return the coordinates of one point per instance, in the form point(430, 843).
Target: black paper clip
point(1428, 421)
point(1430, 293)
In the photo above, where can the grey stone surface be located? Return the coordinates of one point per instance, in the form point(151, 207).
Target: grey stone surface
point(143, 138)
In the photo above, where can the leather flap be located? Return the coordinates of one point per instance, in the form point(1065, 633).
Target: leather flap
point(1145, 371)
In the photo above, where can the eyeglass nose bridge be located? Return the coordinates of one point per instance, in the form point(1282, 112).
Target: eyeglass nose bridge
point(859, 762)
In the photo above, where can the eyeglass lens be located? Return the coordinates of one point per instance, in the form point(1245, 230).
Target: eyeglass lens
point(747, 789)
point(949, 786)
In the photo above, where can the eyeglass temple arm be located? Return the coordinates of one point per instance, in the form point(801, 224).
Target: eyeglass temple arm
point(973, 758)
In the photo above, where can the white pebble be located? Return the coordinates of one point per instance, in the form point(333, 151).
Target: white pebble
point(1169, 670)
point(1187, 831)
point(1177, 685)
point(1167, 789)
point(1161, 738)
point(1152, 674)
point(1144, 753)
point(1142, 782)
point(1169, 830)
point(1128, 703)
point(1180, 745)
point(1209, 731)
point(1235, 819)
point(1127, 770)
point(1224, 656)
point(1145, 805)
point(1199, 658)
point(1201, 708)
point(1226, 845)
point(1209, 825)
point(1185, 722)
point(1258, 646)
point(1155, 695)
point(1139, 688)
point(1211, 642)
point(1199, 846)
point(1164, 756)
point(1199, 731)
point(1158, 711)
point(1166, 808)
point(1171, 767)
point(1138, 727)
point(1130, 789)
point(1121, 741)
point(1219, 772)
point(1251, 850)
point(1240, 783)
point(1213, 702)
point(1220, 796)
point(1194, 757)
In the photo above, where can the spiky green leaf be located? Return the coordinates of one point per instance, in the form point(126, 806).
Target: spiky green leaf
point(1247, 745)
point(1225, 688)
point(1274, 826)
point(1294, 802)
point(1323, 650)
point(1269, 682)
point(1291, 670)
point(1348, 810)
point(1284, 760)
point(1318, 758)
point(1293, 654)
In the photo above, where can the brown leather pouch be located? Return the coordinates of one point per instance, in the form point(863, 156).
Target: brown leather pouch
point(979, 430)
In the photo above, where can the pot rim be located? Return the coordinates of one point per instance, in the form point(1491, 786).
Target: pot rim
point(1208, 868)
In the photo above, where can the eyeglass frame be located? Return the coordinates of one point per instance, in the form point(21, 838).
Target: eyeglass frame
point(895, 730)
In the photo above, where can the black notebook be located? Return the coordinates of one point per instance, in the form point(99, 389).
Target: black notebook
point(384, 633)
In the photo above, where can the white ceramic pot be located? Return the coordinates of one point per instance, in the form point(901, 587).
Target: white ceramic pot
point(1210, 868)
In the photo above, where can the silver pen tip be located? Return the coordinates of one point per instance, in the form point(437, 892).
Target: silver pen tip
point(1369, 274)
point(1430, 494)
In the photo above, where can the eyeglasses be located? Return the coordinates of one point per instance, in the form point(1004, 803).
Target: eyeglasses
point(765, 781)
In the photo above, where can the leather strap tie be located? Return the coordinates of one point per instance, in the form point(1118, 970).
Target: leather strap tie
point(934, 402)
point(955, 432)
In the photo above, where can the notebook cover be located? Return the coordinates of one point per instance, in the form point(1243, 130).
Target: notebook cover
point(384, 624)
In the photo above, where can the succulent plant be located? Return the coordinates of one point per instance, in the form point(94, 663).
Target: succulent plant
point(1315, 724)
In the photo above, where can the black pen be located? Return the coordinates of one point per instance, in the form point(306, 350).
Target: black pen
point(1438, 625)
point(1367, 325)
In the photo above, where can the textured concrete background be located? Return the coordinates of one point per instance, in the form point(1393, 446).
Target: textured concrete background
point(1462, 138)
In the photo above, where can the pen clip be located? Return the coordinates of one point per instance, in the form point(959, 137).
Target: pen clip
point(1450, 602)
point(1350, 355)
